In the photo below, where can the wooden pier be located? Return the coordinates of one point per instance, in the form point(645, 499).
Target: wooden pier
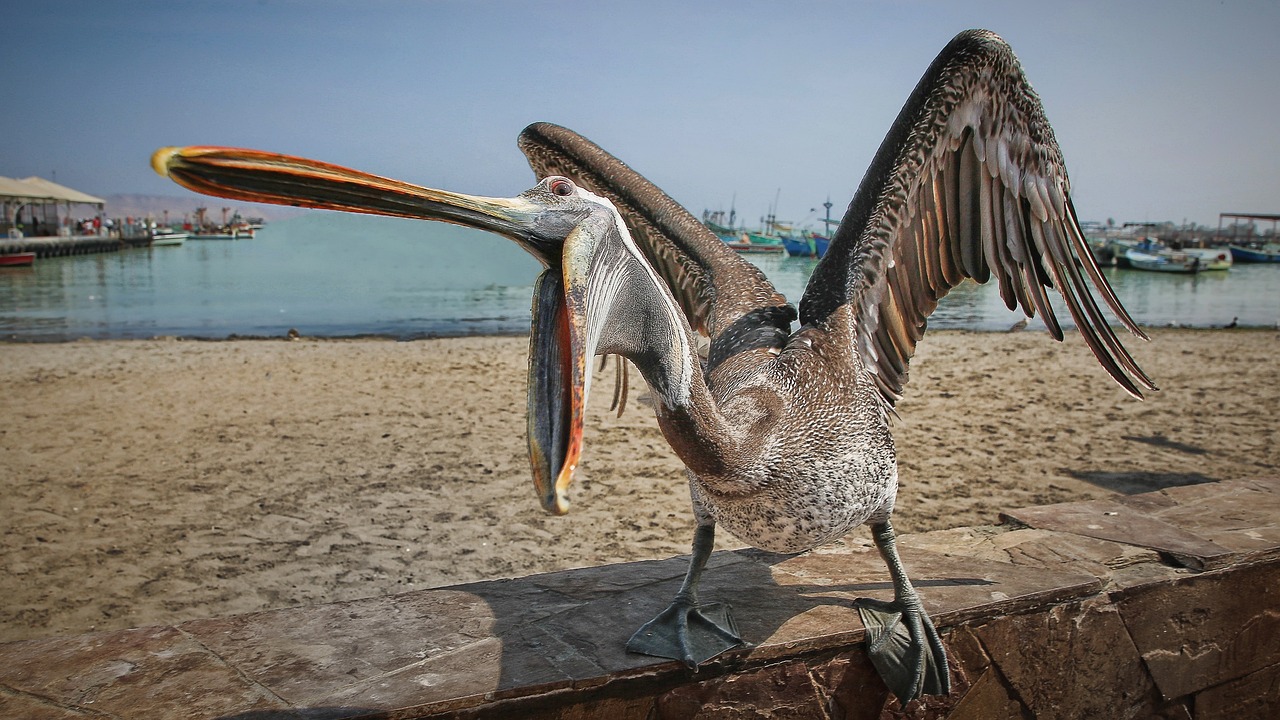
point(62, 245)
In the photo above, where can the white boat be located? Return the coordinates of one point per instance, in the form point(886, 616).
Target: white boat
point(1212, 258)
point(234, 232)
point(168, 238)
point(1174, 262)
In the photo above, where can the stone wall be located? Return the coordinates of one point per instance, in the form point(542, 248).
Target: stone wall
point(1161, 605)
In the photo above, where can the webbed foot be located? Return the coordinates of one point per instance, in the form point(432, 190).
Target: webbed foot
point(905, 649)
point(691, 633)
point(688, 630)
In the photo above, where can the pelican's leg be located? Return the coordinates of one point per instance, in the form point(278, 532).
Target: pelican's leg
point(687, 630)
point(901, 640)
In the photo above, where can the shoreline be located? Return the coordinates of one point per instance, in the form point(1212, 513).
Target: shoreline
point(14, 339)
point(154, 481)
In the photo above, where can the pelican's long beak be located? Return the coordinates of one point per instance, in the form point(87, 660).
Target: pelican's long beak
point(561, 342)
point(557, 396)
point(266, 177)
point(569, 315)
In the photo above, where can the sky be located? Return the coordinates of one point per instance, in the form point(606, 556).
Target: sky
point(1165, 109)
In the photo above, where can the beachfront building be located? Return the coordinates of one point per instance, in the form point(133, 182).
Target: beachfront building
point(35, 207)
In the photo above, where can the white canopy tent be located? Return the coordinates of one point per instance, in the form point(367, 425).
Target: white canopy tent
point(42, 201)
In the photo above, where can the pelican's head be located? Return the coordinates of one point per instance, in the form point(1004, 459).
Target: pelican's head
point(570, 230)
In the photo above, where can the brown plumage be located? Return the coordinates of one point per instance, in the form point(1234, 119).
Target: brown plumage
point(968, 184)
point(785, 433)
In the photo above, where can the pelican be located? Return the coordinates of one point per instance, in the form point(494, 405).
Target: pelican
point(784, 429)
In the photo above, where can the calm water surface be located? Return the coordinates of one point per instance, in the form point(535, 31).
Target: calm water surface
point(334, 275)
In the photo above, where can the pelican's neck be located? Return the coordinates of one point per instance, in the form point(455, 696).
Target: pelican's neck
point(695, 427)
point(644, 324)
point(655, 336)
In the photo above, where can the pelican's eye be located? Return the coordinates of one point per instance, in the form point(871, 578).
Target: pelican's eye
point(561, 187)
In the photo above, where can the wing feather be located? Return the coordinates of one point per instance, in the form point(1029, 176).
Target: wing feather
point(975, 257)
point(968, 184)
point(947, 257)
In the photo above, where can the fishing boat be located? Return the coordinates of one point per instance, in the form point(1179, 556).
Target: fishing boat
point(234, 229)
point(17, 259)
point(1252, 247)
point(744, 241)
point(1269, 253)
point(226, 234)
point(161, 237)
point(1168, 262)
point(1211, 258)
point(748, 243)
point(806, 245)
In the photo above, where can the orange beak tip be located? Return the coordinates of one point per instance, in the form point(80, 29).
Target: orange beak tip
point(556, 503)
point(160, 159)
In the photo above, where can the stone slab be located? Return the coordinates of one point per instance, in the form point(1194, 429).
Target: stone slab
point(1037, 548)
point(147, 672)
point(17, 705)
point(952, 588)
point(785, 690)
point(541, 644)
point(988, 699)
point(1243, 515)
point(851, 688)
point(454, 648)
point(1204, 630)
point(1081, 663)
point(1256, 695)
point(1112, 520)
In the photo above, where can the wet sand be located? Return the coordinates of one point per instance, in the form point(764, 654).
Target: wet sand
point(158, 481)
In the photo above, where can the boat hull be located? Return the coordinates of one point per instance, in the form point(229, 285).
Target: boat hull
point(19, 259)
point(1211, 258)
point(1252, 255)
point(813, 246)
point(163, 239)
point(1166, 263)
point(756, 248)
point(744, 244)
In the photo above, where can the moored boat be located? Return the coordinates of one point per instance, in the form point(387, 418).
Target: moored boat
point(18, 259)
point(1163, 262)
point(226, 234)
point(1211, 258)
point(808, 245)
point(167, 237)
point(1269, 253)
point(234, 229)
point(747, 243)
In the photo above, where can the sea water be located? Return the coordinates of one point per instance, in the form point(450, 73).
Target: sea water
point(336, 275)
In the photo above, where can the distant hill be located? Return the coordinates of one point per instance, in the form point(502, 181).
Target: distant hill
point(121, 206)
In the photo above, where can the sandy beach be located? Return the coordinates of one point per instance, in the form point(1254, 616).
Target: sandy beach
point(158, 481)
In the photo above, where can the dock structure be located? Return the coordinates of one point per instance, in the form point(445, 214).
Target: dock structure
point(1220, 238)
point(37, 207)
point(62, 245)
point(37, 218)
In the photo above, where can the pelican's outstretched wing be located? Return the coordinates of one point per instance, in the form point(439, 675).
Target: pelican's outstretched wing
point(722, 295)
point(969, 183)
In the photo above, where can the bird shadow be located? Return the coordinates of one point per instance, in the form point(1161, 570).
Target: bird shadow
point(1164, 442)
point(1138, 481)
point(773, 601)
point(507, 638)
